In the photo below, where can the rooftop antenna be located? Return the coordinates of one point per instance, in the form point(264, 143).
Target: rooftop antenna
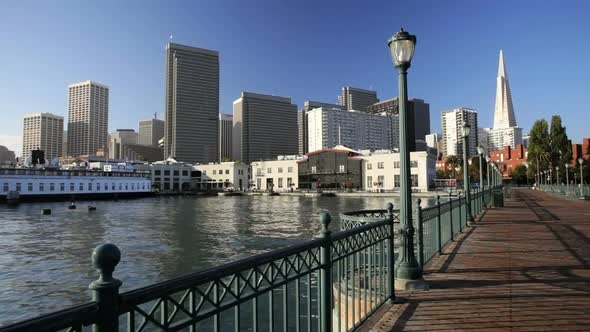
point(155, 115)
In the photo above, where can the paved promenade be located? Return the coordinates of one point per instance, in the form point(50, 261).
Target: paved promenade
point(524, 267)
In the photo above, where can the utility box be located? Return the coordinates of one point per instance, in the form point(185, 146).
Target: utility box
point(498, 198)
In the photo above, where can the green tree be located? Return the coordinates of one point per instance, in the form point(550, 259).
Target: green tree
point(453, 162)
point(560, 148)
point(519, 174)
point(539, 151)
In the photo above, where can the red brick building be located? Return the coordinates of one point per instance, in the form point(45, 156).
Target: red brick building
point(581, 150)
point(509, 158)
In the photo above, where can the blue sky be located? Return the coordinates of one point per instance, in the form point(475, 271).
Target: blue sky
point(301, 49)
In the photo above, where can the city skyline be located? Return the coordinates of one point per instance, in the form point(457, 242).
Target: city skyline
point(372, 70)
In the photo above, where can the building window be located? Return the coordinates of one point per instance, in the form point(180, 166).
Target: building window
point(62, 187)
point(380, 165)
point(290, 169)
point(414, 179)
point(369, 166)
point(106, 187)
point(396, 181)
point(413, 164)
point(220, 171)
point(369, 182)
point(157, 172)
point(259, 171)
point(381, 180)
point(72, 187)
point(289, 182)
point(214, 172)
point(184, 173)
point(314, 169)
point(41, 187)
point(341, 168)
point(81, 188)
point(396, 164)
point(167, 172)
point(280, 170)
point(30, 186)
point(113, 186)
point(280, 182)
point(5, 187)
point(204, 172)
point(227, 171)
point(269, 170)
point(90, 186)
point(18, 188)
point(175, 173)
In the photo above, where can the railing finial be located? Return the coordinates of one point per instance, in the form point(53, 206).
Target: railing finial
point(389, 208)
point(325, 219)
point(104, 259)
point(105, 290)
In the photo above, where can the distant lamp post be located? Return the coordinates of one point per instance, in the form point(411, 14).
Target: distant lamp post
point(581, 162)
point(408, 273)
point(567, 176)
point(557, 174)
point(466, 184)
point(489, 169)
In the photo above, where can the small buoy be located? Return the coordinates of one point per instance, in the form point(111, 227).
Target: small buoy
point(45, 212)
point(91, 208)
point(72, 206)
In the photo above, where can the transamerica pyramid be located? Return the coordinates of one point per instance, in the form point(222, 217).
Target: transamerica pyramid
point(504, 111)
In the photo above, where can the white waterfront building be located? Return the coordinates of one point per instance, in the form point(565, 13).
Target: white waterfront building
point(381, 170)
point(223, 176)
point(328, 127)
point(279, 175)
point(169, 175)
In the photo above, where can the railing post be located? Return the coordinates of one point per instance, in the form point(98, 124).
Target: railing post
point(438, 228)
point(461, 203)
point(451, 217)
point(105, 290)
point(391, 261)
point(420, 233)
point(326, 274)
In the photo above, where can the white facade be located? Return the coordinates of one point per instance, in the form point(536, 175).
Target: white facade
point(278, 175)
point(43, 131)
point(88, 118)
point(328, 127)
point(169, 175)
point(35, 182)
point(494, 139)
point(504, 110)
point(381, 171)
point(452, 131)
point(225, 175)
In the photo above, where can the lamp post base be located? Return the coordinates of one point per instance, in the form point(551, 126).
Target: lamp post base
point(470, 222)
point(410, 284)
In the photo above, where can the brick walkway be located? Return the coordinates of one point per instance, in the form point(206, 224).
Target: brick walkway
point(524, 267)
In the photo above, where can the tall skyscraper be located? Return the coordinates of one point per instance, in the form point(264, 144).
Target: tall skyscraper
point(118, 140)
point(356, 99)
point(192, 104)
point(226, 125)
point(452, 131)
point(308, 105)
point(264, 127)
point(43, 131)
point(150, 132)
point(504, 111)
point(88, 118)
point(329, 127)
point(418, 116)
point(505, 132)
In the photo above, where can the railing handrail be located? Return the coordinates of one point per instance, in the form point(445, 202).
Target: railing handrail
point(79, 315)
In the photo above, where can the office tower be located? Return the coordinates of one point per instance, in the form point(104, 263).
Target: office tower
point(88, 118)
point(118, 140)
point(226, 125)
point(6, 156)
point(505, 132)
point(43, 131)
point(356, 99)
point(328, 127)
point(418, 117)
point(452, 131)
point(504, 111)
point(302, 122)
point(192, 104)
point(150, 132)
point(264, 127)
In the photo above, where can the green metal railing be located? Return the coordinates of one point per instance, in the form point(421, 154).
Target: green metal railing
point(333, 282)
point(573, 191)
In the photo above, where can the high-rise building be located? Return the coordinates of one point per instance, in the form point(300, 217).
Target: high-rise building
point(504, 111)
point(88, 118)
point(418, 117)
point(150, 132)
point(505, 132)
point(329, 127)
point(43, 131)
point(264, 127)
point(6, 156)
point(302, 122)
point(118, 140)
point(356, 99)
point(192, 104)
point(452, 131)
point(226, 125)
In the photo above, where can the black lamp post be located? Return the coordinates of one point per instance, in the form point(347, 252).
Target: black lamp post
point(480, 152)
point(408, 273)
point(466, 185)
